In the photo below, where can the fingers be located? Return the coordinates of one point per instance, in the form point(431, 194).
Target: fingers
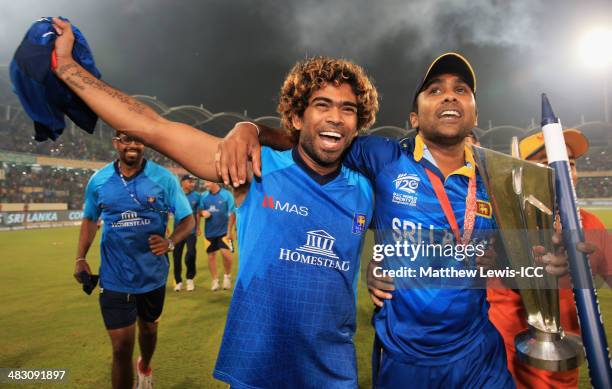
point(376, 301)
point(158, 245)
point(555, 264)
point(256, 159)
point(586, 247)
point(78, 268)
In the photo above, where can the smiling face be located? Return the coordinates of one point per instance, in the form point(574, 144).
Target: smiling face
point(130, 151)
point(446, 110)
point(327, 127)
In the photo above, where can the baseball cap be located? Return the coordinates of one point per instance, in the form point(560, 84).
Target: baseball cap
point(187, 177)
point(452, 63)
point(534, 142)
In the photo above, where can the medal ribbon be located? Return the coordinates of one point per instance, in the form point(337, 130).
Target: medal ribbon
point(470, 207)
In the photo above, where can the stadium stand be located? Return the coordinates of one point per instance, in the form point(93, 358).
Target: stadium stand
point(49, 172)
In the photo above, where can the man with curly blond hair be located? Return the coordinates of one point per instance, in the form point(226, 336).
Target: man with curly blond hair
point(293, 314)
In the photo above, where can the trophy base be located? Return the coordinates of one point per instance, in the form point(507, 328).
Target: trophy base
point(549, 350)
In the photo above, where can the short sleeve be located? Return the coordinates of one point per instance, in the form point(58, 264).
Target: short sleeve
point(231, 207)
point(370, 154)
point(91, 210)
point(178, 201)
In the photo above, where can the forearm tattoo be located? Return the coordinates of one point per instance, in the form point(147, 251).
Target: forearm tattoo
point(74, 76)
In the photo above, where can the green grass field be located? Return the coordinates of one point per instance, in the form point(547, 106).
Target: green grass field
point(46, 321)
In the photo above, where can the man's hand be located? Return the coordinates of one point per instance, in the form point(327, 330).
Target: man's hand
point(158, 244)
point(64, 41)
point(556, 263)
point(489, 259)
point(205, 214)
point(379, 287)
point(233, 154)
point(79, 266)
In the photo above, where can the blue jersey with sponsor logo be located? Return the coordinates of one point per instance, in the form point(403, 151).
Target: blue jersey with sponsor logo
point(194, 199)
point(132, 211)
point(220, 205)
point(430, 320)
point(292, 316)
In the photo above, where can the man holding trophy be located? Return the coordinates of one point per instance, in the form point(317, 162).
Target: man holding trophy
point(507, 312)
point(438, 335)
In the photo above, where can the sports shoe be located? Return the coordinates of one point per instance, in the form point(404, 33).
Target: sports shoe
point(190, 285)
point(215, 285)
point(178, 287)
point(227, 281)
point(145, 378)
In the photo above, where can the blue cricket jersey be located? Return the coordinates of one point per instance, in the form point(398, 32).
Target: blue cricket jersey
point(194, 199)
point(127, 264)
point(293, 313)
point(220, 205)
point(429, 320)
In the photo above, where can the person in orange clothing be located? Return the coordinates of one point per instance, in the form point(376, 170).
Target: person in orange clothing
point(506, 309)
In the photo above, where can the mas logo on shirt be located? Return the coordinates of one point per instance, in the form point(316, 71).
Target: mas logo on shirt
point(151, 199)
point(406, 186)
point(270, 202)
point(359, 223)
point(483, 208)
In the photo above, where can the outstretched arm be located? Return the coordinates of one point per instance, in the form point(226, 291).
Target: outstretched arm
point(243, 142)
point(190, 147)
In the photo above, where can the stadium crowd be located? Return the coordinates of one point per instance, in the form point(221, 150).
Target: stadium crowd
point(43, 184)
point(66, 185)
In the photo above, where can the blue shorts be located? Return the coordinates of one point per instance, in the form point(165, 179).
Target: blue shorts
point(484, 367)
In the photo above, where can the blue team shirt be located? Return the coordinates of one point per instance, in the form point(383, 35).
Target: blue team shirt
point(194, 199)
point(220, 205)
point(127, 264)
point(423, 323)
point(293, 313)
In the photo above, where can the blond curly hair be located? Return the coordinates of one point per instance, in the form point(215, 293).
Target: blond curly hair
point(315, 73)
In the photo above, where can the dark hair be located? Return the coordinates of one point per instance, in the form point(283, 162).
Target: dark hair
point(315, 73)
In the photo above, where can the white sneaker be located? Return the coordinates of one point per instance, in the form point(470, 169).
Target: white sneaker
point(145, 379)
point(215, 285)
point(227, 281)
point(190, 285)
point(178, 287)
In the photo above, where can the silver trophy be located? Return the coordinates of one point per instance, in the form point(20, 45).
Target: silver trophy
point(522, 197)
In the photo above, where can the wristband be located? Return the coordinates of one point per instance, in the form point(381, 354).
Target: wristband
point(251, 123)
point(80, 259)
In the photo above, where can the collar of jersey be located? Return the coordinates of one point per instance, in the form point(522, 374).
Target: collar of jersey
point(130, 178)
point(421, 152)
point(320, 179)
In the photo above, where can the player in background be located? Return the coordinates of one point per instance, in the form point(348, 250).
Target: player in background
point(218, 209)
point(507, 312)
point(188, 185)
point(133, 197)
point(293, 313)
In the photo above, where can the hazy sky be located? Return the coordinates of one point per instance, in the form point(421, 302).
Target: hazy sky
point(233, 55)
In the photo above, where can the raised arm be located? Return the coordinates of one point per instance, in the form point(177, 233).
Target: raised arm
point(190, 147)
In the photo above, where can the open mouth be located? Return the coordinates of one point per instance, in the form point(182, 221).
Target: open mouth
point(449, 114)
point(330, 139)
point(131, 153)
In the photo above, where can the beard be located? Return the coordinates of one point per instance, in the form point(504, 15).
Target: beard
point(319, 157)
point(440, 138)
